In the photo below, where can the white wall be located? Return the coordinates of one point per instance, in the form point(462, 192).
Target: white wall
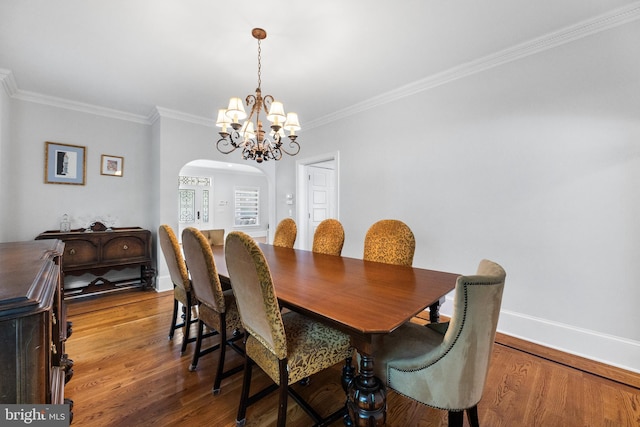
point(534, 164)
point(36, 207)
point(5, 158)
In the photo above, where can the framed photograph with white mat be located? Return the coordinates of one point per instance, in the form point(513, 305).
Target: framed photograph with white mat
point(64, 163)
point(111, 165)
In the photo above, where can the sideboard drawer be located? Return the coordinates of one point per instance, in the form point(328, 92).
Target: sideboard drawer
point(123, 248)
point(79, 253)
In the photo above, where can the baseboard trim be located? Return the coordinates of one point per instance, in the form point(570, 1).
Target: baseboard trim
point(609, 372)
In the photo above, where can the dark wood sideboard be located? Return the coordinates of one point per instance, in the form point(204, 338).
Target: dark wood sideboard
point(101, 250)
point(33, 325)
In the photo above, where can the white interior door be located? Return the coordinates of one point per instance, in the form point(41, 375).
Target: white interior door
point(321, 193)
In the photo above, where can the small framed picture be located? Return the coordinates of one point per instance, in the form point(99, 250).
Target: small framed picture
point(64, 163)
point(111, 165)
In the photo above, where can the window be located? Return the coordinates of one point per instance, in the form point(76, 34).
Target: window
point(247, 206)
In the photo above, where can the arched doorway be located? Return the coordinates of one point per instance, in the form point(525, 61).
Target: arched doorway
point(210, 194)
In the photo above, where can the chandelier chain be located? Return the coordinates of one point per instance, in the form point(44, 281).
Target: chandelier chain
point(259, 64)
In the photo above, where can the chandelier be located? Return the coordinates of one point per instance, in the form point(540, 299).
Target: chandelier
point(249, 135)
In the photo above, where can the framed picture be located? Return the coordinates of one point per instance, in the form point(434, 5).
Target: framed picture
point(64, 163)
point(111, 165)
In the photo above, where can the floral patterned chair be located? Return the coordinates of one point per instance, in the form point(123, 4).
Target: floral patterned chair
point(217, 309)
point(389, 241)
point(288, 347)
point(182, 291)
point(328, 237)
point(286, 233)
point(445, 365)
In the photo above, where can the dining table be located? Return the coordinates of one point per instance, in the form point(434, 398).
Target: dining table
point(364, 299)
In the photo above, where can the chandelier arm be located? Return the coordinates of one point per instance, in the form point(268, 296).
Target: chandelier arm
point(226, 142)
point(266, 103)
point(276, 154)
point(292, 144)
point(250, 101)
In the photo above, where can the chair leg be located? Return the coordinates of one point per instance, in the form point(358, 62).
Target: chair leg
point(456, 418)
point(472, 416)
point(196, 353)
point(244, 394)
point(283, 393)
point(223, 348)
point(187, 328)
point(173, 319)
point(348, 373)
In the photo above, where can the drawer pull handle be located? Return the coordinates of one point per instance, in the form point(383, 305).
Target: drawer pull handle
point(125, 247)
point(72, 252)
point(54, 350)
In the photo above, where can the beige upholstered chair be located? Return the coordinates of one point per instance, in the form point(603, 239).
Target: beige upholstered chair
point(288, 347)
point(389, 241)
point(328, 237)
point(217, 309)
point(445, 365)
point(182, 292)
point(215, 237)
point(286, 233)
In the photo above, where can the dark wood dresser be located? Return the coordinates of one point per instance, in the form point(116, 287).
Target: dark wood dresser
point(33, 325)
point(101, 250)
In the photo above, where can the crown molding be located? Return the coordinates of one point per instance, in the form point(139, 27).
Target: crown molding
point(161, 112)
point(79, 106)
point(566, 35)
point(8, 82)
point(578, 31)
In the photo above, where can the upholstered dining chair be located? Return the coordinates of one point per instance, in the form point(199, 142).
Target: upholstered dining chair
point(445, 365)
point(288, 347)
point(217, 308)
point(286, 233)
point(389, 241)
point(182, 292)
point(215, 236)
point(328, 237)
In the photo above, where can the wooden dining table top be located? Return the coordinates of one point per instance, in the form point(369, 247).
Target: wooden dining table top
point(362, 298)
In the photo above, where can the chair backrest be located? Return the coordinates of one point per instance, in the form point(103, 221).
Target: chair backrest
point(215, 236)
point(286, 233)
point(173, 257)
point(254, 291)
point(202, 267)
point(389, 241)
point(458, 367)
point(328, 237)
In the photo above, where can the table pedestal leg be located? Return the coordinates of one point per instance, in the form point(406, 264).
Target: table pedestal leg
point(366, 397)
point(434, 312)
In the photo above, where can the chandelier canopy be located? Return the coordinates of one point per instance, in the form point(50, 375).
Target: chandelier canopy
point(249, 135)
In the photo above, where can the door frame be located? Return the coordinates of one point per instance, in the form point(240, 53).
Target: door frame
point(304, 241)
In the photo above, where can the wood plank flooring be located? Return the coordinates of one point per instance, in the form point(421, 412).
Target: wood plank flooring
point(127, 373)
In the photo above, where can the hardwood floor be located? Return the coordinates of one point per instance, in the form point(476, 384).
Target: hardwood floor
point(127, 373)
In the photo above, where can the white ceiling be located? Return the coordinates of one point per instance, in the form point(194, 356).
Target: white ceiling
point(190, 56)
